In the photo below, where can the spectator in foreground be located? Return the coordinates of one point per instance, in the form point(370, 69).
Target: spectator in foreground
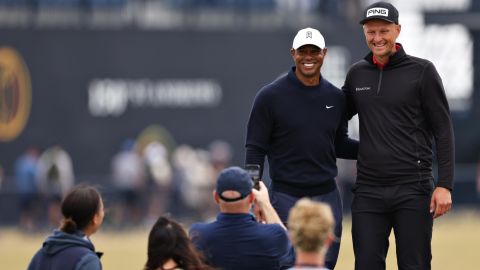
point(236, 240)
point(310, 227)
point(69, 248)
point(170, 248)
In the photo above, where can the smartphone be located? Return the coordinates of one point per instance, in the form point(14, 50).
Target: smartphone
point(254, 172)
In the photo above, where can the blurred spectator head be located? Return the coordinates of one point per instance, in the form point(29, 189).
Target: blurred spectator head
point(169, 247)
point(310, 225)
point(128, 145)
point(82, 209)
point(156, 158)
point(32, 151)
point(55, 170)
point(220, 154)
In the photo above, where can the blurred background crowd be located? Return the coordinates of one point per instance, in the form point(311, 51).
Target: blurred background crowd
point(143, 184)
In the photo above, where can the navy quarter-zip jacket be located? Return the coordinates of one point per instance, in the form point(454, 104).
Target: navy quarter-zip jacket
point(402, 109)
point(302, 129)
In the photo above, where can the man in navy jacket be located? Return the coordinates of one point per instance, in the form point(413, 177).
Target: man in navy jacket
point(299, 122)
point(236, 240)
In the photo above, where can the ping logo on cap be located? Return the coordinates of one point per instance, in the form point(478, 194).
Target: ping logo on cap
point(377, 12)
point(309, 34)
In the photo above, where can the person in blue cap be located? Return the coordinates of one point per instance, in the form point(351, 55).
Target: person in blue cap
point(236, 240)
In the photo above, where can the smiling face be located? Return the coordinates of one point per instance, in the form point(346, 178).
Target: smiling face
point(380, 36)
point(308, 61)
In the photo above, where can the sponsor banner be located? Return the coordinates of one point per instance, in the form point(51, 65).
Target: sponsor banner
point(15, 94)
point(89, 90)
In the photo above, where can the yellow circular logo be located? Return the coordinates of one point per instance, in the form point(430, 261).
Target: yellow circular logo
point(15, 94)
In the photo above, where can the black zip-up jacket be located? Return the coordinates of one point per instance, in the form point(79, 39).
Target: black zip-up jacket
point(402, 108)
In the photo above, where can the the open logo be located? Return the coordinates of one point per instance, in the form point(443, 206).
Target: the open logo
point(15, 94)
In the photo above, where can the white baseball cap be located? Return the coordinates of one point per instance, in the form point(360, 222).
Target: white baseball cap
point(308, 36)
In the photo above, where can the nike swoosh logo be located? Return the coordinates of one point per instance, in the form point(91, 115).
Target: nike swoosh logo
point(328, 107)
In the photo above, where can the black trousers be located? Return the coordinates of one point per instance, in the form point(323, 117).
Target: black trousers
point(376, 210)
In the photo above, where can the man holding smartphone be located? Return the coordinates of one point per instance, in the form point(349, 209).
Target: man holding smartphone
point(299, 122)
point(254, 172)
point(235, 240)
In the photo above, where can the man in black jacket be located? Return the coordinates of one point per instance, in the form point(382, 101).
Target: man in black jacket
point(402, 109)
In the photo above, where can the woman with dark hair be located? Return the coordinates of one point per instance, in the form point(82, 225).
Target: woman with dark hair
point(70, 247)
point(169, 248)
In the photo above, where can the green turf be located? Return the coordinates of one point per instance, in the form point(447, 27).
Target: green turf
point(456, 241)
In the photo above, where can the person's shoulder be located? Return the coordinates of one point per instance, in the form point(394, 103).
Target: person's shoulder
point(281, 79)
point(419, 61)
point(330, 86)
point(333, 90)
point(35, 260)
point(356, 69)
point(274, 234)
point(362, 63)
point(271, 230)
point(202, 229)
point(89, 261)
point(278, 83)
point(270, 92)
point(200, 226)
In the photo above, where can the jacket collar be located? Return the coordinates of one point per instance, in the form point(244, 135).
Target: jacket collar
point(235, 217)
point(394, 59)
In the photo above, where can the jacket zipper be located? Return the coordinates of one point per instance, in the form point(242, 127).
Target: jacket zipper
point(380, 82)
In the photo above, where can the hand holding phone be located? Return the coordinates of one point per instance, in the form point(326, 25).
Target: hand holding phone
point(254, 172)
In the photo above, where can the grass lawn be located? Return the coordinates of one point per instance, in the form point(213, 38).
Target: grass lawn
point(455, 245)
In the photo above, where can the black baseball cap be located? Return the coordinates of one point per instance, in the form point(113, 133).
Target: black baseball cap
point(382, 11)
point(234, 179)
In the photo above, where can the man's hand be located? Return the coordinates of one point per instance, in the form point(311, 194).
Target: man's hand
point(261, 199)
point(261, 195)
point(441, 202)
point(259, 216)
point(265, 212)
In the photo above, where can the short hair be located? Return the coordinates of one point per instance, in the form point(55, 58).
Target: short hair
point(310, 224)
point(79, 207)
